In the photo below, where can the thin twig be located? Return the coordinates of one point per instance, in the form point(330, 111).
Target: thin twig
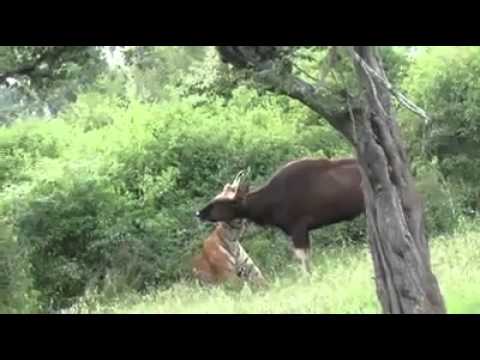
point(304, 72)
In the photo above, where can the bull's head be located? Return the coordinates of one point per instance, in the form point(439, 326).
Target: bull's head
point(227, 205)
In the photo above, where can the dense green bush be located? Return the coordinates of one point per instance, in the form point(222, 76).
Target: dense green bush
point(25, 143)
point(16, 288)
point(444, 81)
point(442, 200)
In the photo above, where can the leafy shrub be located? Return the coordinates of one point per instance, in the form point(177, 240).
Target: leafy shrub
point(444, 81)
point(25, 143)
point(16, 288)
point(443, 202)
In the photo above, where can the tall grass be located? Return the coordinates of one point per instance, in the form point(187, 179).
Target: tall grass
point(341, 283)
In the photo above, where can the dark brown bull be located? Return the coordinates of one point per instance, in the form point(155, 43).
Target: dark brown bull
point(301, 196)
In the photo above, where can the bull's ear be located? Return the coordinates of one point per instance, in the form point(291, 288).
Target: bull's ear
point(228, 189)
point(242, 190)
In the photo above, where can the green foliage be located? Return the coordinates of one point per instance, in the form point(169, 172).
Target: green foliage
point(43, 79)
point(444, 81)
point(26, 143)
point(60, 225)
point(443, 201)
point(16, 288)
point(155, 69)
point(396, 61)
point(211, 77)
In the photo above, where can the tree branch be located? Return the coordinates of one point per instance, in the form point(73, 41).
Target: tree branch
point(333, 107)
point(49, 56)
point(270, 67)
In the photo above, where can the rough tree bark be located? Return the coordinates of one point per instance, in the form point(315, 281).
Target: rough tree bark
point(404, 279)
point(405, 282)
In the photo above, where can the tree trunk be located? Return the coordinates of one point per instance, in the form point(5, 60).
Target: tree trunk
point(405, 282)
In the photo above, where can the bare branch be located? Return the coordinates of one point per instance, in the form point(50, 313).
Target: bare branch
point(311, 77)
point(402, 98)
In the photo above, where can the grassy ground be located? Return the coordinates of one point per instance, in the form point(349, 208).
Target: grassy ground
point(341, 284)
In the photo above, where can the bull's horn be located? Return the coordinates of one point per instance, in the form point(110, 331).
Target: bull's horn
point(242, 175)
point(238, 178)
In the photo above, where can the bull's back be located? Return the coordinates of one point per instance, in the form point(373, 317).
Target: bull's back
point(320, 192)
point(302, 176)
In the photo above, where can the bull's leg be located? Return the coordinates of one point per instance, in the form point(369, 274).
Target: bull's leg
point(304, 256)
point(301, 244)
